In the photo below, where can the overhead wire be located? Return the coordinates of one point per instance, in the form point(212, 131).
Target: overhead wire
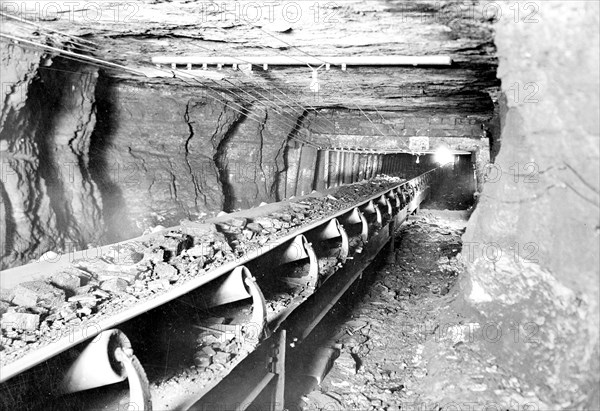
point(302, 108)
point(302, 51)
point(248, 114)
point(46, 29)
point(285, 55)
point(244, 91)
point(363, 113)
point(74, 56)
point(315, 57)
point(71, 54)
point(231, 104)
point(103, 63)
point(89, 59)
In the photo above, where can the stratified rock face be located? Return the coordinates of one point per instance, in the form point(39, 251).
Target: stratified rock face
point(67, 97)
point(153, 152)
point(532, 244)
point(25, 206)
point(253, 157)
point(178, 152)
point(322, 28)
point(49, 201)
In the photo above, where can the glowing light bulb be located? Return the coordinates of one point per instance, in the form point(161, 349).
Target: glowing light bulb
point(443, 156)
point(314, 84)
point(418, 159)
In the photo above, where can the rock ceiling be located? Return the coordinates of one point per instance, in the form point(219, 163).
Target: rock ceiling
point(131, 33)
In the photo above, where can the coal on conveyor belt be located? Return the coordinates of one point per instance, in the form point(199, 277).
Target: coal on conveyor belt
point(36, 313)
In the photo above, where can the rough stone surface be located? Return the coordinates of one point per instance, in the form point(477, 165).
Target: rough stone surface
point(49, 201)
point(164, 270)
point(21, 181)
point(539, 211)
point(21, 321)
point(3, 307)
point(34, 293)
point(114, 285)
point(6, 295)
point(157, 145)
point(237, 29)
point(66, 281)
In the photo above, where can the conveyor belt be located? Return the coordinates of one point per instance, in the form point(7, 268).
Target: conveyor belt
point(312, 265)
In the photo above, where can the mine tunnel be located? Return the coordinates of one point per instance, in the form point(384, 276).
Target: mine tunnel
point(351, 205)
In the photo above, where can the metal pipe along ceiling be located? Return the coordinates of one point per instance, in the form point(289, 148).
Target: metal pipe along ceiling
point(310, 60)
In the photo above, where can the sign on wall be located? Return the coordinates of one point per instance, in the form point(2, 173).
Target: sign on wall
point(418, 144)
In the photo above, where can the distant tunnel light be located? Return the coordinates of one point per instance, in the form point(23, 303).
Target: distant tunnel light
point(443, 156)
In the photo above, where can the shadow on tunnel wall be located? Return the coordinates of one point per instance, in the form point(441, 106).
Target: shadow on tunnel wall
point(117, 223)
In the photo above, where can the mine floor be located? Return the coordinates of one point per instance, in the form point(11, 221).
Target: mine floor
point(402, 343)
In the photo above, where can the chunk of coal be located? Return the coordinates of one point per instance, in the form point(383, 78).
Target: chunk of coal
point(3, 307)
point(101, 293)
point(6, 295)
point(84, 300)
point(256, 227)
point(29, 338)
point(267, 222)
point(114, 285)
point(196, 229)
point(175, 244)
point(232, 348)
point(127, 254)
point(129, 257)
point(158, 285)
point(221, 243)
point(202, 360)
point(208, 351)
point(237, 222)
point(248, 234)
point(85, 289)
point(68, 311)
point(84, 311)
point(32, 293)
point(221, 357)
point(286, 217)
point(201, 250)
point(20, 321)
point(299, 216)
point(66, 281)
point(154, 255)
point(38, 310)
point(164, 270)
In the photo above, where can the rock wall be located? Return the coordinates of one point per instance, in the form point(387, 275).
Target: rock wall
point(531, 246)
point(166, 152)
point(153, 155)
point(49, 201)
point(254, 157)
point(89, 159)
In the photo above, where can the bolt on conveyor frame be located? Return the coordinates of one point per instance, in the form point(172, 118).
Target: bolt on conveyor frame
point(388, 209)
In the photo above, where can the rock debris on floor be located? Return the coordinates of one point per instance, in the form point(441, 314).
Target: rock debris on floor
point(406, 347)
